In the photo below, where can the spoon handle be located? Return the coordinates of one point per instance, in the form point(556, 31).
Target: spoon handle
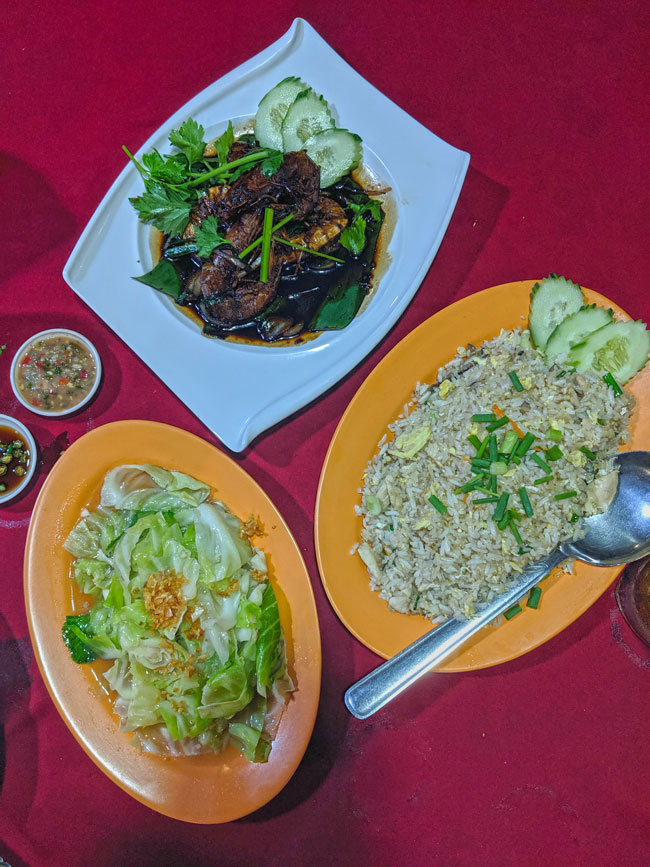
point(376, 689)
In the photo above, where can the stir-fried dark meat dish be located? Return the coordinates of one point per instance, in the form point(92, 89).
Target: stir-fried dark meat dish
point(226, 289)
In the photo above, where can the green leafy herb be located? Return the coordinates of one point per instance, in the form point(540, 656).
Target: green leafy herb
point(207, 236)
point(353, 237)
point(224, 143)
point(272, 163)
point(166, 169)
point(166, 209)
point(339, 310)
point(163, 277)
point(188, 138)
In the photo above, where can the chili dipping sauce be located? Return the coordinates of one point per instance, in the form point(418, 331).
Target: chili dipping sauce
point(56, 373)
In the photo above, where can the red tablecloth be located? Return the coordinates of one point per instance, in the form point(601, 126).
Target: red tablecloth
point(544, 760)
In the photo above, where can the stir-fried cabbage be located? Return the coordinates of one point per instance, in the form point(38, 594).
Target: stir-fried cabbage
point(184, 607)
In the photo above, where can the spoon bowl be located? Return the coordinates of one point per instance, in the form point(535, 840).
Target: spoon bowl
point(620, 534)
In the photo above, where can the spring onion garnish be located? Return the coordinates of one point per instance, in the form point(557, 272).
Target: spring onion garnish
point(516, 460)
point(503, 523)
point(417, 599)
point(500, 510)
point(267, 228)
point(495, 425)
point(588, 453)
point(540, 462)
point(566, 495)
point(525, 501)
point(574, 518)
point(484, 500)
point(308, 250)
point(256, 243)
point(493, 448)
point(611, 382)
point(437, 504)
point(484, 417)
point(509, 441)
point(561, 374)
point(498, 468)
point(534, 597)
point(554, 453)
point(601, 421)
point(512, 612)
point(493, 484)
point(554, 434)
point(515, 532)
point(483, 446)
point(524, 549)
point(515, 381)
point(480, 462)
point(475, 441)
point(475, 482)
point(525, 444)
point(543, 480)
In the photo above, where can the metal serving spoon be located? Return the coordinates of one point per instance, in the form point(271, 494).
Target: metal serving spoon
point(619, 535)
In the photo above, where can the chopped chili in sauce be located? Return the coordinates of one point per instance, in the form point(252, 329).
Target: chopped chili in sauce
point(14, 459)
point(56, 373)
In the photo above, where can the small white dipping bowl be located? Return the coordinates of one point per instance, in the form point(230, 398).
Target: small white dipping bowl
point(55, 332)
point(19, 428)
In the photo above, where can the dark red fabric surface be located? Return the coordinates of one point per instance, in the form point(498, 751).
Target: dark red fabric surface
point(543, 760)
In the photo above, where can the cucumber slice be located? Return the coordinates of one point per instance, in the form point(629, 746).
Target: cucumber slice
point(272, 111)
point(336, 151)
point(620, 348)
point(575, 328)
point(308, 114)
point(551, 301)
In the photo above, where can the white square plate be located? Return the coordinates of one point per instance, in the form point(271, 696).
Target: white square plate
point(240, 390)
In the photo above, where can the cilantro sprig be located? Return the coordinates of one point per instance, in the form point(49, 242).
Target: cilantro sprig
point(173, 181)
point(353, 237)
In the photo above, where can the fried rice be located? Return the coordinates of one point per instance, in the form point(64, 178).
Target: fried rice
point(429, 547)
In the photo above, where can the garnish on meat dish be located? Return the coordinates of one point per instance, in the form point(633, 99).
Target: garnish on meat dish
point(266, 235)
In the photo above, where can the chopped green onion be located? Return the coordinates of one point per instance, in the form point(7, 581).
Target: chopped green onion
point(484, 500)
point(585, 451)
point(475, 441)
point(601, 421)
point(543, 480)
point(484, 417)
point(308, 250)
point(480, 462)
point(554, 453)
point(611, 382)
point(534, 597)
point(525, 501)
point(574, 518)
point(417, 599)
point(498, 468)
point(503, 523)
point(561, 374)
point(267, 229)
point(512, 612)
point(516, 460)
point(515, 381)
point(495, 425)
point(566, 495)
point(493, 484)
point(524, 549)
point(474, 482)
point(554, 434)
point(493, 448)
point(483, 446)
point(510, 440)
point(540, 462)
point(256, 243)
point(515, 532)
point(525, 444)
point(437, 504)
point(500, 510)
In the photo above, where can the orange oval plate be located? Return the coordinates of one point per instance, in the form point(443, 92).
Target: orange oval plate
point(378, 402)
point(204, 789)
